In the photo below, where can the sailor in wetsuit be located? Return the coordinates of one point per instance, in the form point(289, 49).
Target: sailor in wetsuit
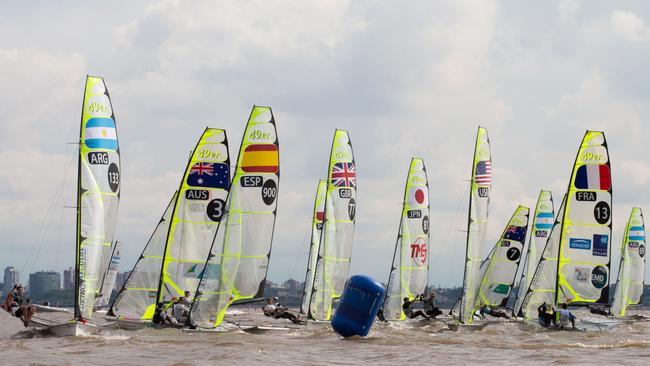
point(564, 316)
point(19, 306)
point(430, 306)
point(543, 317)
point(406, 308)
point(277, 311)
point(493, 312)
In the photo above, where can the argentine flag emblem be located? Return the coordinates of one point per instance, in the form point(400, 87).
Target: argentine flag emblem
point(100, 134)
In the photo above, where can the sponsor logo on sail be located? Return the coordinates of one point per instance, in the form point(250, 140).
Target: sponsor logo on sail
point(600, 245)
point(599, 277)
point(578, 243)
point(581, 274)
point(419, 252)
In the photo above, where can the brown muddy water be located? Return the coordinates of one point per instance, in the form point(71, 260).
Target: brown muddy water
point(402, 343)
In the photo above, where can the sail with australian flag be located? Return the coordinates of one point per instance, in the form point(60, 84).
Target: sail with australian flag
point(239, 252)
point(480, 187)
point(335, 249)
point(196, 214)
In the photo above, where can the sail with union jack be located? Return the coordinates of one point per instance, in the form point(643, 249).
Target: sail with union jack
point(344, 175)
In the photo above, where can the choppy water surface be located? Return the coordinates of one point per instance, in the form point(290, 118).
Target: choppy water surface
point(395, 343)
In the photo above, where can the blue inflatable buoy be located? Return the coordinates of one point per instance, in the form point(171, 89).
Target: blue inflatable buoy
point(360, 302)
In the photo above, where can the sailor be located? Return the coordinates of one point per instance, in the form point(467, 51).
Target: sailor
point(180, 311)
point(19, 306)
point(269, 308)
point(543, 317)
point(277, 311)
point(160, 315)
point(380, 315)
point(486, 309)
point(564, 316)
point(430, 306)
point(406, 308)
point(599, 311)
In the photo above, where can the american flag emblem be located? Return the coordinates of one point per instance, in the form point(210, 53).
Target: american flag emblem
point(483, 173)
point(344, 175)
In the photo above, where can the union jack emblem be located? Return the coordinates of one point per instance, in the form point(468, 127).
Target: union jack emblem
point(202, 168)
point(344, 175)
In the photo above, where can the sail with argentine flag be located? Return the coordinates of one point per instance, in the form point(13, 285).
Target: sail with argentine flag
point(631, 272)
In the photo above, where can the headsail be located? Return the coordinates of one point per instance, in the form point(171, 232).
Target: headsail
point(542, 225)
point(543, 283)
point(98, 193)
point(237, 265)
point(316, 230)
point(476, 223)
point(503, 262)
point(631, 272)
point(198, 209)
point(338, 229)
point(584, 254)
point(409, 273)
point(137, 297)
point(108, 282)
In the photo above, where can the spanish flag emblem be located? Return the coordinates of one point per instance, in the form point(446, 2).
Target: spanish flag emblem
point(260, 158)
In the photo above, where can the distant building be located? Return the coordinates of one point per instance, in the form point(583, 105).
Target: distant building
point(43, 282)
point(68, 278)
point(12, 277)
point(292, 284)
point(120, 279)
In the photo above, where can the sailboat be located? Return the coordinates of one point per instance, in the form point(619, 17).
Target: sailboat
point(539, 233)
point(631, 272)
point(501, 266)
point(316, 230)
point(98, 196)
point(479, 198)
point(174, 256)
point(237, 262)
point(335, 250)
point(409, 274)
point(575, 265)
point(110, 275)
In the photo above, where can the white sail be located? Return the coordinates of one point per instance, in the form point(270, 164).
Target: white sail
point(476, 223)
point(336, 244)
point(503, 262)
point(409, 273)
point(98, 193)
point(541, 229)
point(544, 281)
point(136, 300)
point(108, 284)
point(316, 230)
point(631, 273)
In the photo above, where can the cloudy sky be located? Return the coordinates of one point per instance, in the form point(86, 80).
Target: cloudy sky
point(406, 79)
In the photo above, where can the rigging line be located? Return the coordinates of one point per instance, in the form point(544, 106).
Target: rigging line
point(305, 252)
point(47, 218)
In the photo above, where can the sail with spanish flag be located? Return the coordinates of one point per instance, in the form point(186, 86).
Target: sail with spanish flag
point(237, 264)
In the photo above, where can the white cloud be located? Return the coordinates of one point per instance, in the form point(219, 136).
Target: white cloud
point(629, 26)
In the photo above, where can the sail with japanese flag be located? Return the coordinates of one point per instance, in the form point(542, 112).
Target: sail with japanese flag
point(631, 272)
point(335, 250)
point(480, 186)
point(316, 230)
point(239, 252)
point(502, 264)
point(409, 273)
point(541, 229)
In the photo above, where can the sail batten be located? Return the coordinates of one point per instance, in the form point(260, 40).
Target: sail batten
point(410, 267)
point(98, 194)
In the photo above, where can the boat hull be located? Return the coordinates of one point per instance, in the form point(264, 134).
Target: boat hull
point(72, 329)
